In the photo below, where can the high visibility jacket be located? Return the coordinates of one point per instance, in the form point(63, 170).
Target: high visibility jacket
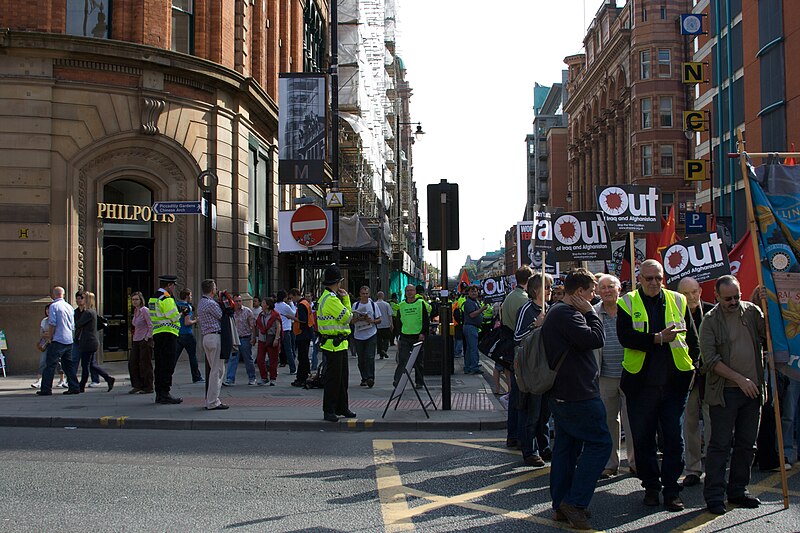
point(311, 318)
point(426, 302)
point(411, 317)
point(674, 315)
point(488, 314)
point(164, 313)
point(395, 306)
point(333, 320)
point(459, 304)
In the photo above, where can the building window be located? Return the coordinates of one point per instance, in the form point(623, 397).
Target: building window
point(665, 110)
point(647, 160)
point(667, 156)
point(183, 26)
point(644, 13)
point(664, 63)
point(644, 60)
point(313, 39)
point(663, 12)
point(647, 113)
point(89, 19)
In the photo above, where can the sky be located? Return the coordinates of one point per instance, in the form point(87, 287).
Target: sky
point(472, 66)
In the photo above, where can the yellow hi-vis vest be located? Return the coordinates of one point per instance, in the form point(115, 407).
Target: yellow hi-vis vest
point(333, 319)
point(675, 312)
point(164, 313)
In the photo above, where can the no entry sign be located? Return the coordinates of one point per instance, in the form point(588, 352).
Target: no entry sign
point(309, 225)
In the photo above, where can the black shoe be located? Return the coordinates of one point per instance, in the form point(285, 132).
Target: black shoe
point(651, 498)
point(547, 454)
point(330, 417)
point(746, 501)
point(533, 460)
point(198, 380)
point(370, 383)
point(220, 407)
point(691, 480)
point(347, 414)
point(111, 382)
point(169, 400)
point(717, 508)
point(66, 392)
point(296, 383)
point(673, 503)
point(363, 383)
point(43, 393)
point(576, 517)
point(512, 443)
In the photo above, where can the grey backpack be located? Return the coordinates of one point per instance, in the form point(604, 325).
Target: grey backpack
point(531, 367)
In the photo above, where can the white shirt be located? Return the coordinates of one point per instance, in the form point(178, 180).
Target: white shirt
point(286, 309)
point(386, 314)
point(362, 330)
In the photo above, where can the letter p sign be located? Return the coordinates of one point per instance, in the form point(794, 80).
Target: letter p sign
point(695, 170)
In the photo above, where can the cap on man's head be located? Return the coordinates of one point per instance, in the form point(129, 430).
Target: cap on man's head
point(168, 278)
point(332, 275)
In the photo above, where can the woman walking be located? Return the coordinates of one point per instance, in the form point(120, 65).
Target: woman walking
point(269, 329)
point(86, 337)
point(140, 364)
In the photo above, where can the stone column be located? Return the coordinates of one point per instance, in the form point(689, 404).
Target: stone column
point(619, 131)
point(587, 182)
point(602, 167)
point(611, 176)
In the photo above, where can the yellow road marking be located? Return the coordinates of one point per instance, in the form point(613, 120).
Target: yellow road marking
point(394, 505)
point(466, 444)
point(351, 423)
point(369, 422)
point(121, 421)
point(104, 420)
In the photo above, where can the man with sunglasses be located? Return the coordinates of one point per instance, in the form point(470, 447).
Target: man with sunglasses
point(732, 343)
point(656, 330)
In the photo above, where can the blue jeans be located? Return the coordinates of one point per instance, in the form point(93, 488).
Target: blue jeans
point(580, 428)
point(470, 349)
point(789, 410)
point(246, 351)
point(59, 352)
point(289, 349)
point(458, 347)
point(522, 422)
point(366, 350)
point(648, 409)
point(189, 343)
point(314, 353)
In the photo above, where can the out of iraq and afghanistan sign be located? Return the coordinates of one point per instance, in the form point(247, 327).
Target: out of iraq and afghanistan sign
point(495, 289)
point(581, 236)
point(535, 237)
point(702, 257)
point(631, 208)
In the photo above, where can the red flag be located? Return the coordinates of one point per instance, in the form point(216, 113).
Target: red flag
point(668, 236)
point(464, 279)
point(743, 266)
point(789, 161)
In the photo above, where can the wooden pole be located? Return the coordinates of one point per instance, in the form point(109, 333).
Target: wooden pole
point(544, 271)
point(751, 220)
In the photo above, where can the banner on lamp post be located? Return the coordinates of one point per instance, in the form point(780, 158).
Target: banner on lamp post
point(302, 133)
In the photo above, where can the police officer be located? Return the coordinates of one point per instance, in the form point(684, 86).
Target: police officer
point(333, 323)
point(165, 317)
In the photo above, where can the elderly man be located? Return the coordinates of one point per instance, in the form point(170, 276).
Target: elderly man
point(610, 364)
point(655, 327)
point(692, 436)
point(61, 324)
point(732, 340)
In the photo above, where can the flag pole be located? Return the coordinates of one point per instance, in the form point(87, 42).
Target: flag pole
point(632, 258)
point(751, 219)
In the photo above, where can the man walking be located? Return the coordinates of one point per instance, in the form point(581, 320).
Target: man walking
point(414, 323)
point(245, 323)
point(571, 333)
point(209, 314)
point(333, 322)
point(655, 327)
point(165, 317)
point(692, 435)
point(285, 306)
point(385, 326)
point(732, 340)
point(186, 340)
point(61, 324)
point(365, 335)
point(303, 329)
point(473, 317)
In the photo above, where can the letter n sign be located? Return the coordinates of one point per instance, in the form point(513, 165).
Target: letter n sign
point(692, 73)
point(695, 170)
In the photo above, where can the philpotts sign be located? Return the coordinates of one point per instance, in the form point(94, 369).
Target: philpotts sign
point(581, 236)
point(631, 208)
point(702, 257)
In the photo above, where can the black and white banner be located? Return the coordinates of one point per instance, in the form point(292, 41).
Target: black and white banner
point(630, 208)
point(581, 236)
point(495, 289)
point(702, 257)
point(527, 252)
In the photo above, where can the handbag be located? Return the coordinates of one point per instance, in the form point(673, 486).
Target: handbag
point(42, 344)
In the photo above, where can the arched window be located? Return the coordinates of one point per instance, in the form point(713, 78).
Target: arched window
point(131, 214)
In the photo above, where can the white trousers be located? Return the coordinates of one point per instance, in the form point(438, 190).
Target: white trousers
point(212, 346)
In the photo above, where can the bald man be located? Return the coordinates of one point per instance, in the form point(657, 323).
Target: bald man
point(61, 321)
point(690, 288)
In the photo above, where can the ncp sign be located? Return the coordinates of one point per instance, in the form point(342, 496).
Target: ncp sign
point(702, 257)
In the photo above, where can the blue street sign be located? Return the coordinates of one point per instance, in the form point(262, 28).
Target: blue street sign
point(181, 208)
point(691, 24)
point(696, 223)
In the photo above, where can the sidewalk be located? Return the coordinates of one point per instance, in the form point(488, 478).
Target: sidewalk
point(281, 407)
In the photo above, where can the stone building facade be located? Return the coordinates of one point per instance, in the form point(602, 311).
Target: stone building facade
point(106, 112)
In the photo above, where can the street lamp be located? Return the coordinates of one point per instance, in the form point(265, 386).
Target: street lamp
point(417, 133)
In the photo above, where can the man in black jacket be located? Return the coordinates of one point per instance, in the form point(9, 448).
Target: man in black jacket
point(571, 333)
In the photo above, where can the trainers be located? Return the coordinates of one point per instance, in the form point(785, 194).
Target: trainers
point(252, 383)
point(93, 384)
point(576, 517)
point(293, 372)
point(608, 473)
point(198, 380)
point(227, 383)
point(272, 383)
point(63, 384)
point(786, 464)
point(36, 384)
point(691, 480)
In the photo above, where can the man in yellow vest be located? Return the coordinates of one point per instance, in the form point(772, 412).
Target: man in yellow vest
point(333, 324)
point(656, 330)
point(165, 317)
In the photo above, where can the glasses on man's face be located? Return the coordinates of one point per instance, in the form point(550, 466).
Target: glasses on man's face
point(736, 297)
point(650, 279)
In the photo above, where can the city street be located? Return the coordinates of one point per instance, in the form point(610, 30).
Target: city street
point(148, 480)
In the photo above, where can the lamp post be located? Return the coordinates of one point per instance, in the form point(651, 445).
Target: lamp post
point(419, 131)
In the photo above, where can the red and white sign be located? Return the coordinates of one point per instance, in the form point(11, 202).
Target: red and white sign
point(309, 225)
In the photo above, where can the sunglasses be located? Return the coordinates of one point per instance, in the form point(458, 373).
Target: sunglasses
point(653, 278)
point(736, 297)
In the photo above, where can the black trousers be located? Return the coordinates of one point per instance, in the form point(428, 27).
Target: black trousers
point(334, 397)
point(164, 351)
point(303, 363)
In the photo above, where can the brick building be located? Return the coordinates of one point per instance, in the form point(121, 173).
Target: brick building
point(107, 110)
point(626, 100)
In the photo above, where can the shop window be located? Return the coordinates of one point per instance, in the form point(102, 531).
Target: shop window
point(647, 113)
point(647, 160)
point(183, 26)
point(644, 61)
point(260, 193)
point(89, 18)
point(664, 63)
point(667, 156)
point(665, 111)
point(126, 209)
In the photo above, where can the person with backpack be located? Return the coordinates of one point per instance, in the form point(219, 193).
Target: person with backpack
point(528, 406)
point(365, 335)
point(570, 334)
